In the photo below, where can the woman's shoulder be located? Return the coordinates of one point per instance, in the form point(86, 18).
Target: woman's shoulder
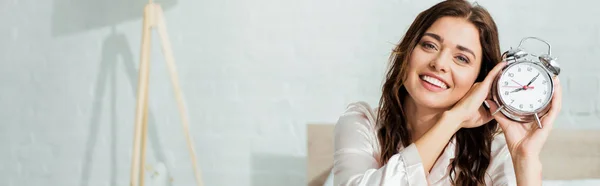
point(499, 142)
point(501, 167)
point(499, 148)
point(359, 118)
point(359, 112)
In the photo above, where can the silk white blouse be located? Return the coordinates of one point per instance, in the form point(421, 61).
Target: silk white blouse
point(357, 157)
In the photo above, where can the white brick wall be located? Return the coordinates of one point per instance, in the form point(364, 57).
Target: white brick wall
point(253, 74)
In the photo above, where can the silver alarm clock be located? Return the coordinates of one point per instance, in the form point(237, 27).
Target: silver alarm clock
point(523, 89)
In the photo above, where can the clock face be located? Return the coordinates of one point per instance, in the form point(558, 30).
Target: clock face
point(525, 87)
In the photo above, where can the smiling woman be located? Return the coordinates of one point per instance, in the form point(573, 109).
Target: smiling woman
point(430, 127)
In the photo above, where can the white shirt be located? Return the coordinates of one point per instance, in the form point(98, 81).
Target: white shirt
point(357, 157)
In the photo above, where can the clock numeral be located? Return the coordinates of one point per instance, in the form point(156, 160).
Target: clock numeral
point(529, 69)
point(512, 100)
point(511, 75)
point(544, 82)
point(506, 93)
point(539, 100)
point(544, 92)
point(520, 105)
point(530, 105)
point(505, 83)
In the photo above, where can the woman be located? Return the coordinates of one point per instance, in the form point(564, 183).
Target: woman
point(430, 127)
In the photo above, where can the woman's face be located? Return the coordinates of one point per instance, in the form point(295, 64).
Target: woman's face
point(444, 64)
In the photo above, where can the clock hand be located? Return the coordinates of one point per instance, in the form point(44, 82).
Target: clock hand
point(518, 87)
point(517, 90)
point(516, 82)
point(536, 76)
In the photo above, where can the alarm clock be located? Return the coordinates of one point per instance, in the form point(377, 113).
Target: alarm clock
point(523, 89)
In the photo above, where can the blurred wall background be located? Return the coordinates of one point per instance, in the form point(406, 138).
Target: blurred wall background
point(254, 74)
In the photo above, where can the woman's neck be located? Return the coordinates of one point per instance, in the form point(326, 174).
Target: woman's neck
point(419, 119)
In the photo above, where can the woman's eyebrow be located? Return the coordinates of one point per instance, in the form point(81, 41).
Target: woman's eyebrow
point(465, 49)
point(435, 36)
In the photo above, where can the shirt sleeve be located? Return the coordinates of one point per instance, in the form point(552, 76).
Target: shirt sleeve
point(502, 172)
point(355, 158)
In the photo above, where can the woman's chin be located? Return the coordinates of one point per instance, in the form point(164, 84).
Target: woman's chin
point(432, 102)
point(429, 99)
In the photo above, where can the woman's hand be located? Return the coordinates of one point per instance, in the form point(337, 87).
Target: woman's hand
point(469, 109)
point(525, 140)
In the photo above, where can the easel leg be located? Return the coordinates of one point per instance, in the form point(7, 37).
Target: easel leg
point(168, 52)
point(144, 144)
point(142, 99)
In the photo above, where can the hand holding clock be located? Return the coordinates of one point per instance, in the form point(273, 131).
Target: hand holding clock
point(528, 139)
point(523, 138)
point(525, 141)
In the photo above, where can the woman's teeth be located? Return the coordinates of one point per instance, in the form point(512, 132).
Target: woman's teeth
point(434, 81)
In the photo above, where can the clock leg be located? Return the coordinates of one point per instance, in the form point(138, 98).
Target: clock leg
point(499, 108)
point(537, 119)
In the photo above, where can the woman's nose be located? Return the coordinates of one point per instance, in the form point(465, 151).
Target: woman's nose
point(441, 62)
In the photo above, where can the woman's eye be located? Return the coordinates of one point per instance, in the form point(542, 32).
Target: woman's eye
point(462, 59)
point(428, 46)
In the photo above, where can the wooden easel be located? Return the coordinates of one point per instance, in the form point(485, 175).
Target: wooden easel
point(154, 18)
